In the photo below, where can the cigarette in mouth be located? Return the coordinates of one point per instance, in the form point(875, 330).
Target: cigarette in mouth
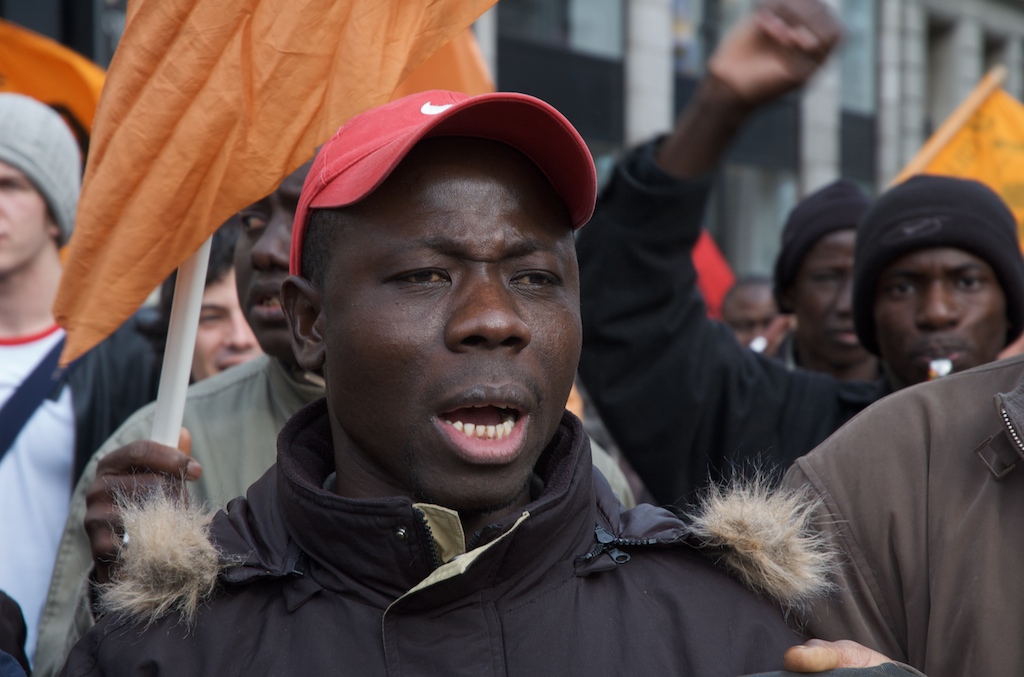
point(939, 368)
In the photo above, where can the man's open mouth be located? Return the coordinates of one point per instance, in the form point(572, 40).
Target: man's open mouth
point(489, 422)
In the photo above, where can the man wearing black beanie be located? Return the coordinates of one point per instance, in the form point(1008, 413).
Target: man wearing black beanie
point(921, 493)
point(813, 281)
point(939, 278)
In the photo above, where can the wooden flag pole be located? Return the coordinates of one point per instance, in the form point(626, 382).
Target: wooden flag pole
point(992, 81)
point(181, 343)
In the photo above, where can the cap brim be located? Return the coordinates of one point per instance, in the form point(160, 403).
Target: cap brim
point(527, 124)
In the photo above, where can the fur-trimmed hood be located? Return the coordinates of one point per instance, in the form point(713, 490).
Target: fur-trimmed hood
point(177, 556)
point(760, 535)
point(765, 537)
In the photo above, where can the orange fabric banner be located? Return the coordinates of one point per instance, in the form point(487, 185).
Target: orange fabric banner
point(207, 106)
point(989, 148)
point(458, 66)
point(39, 67)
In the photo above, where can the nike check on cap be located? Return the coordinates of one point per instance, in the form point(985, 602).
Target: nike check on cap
point(364, 152)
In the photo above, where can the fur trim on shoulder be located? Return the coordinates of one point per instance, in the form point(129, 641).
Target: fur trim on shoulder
point(167, 565)
point(765, 537)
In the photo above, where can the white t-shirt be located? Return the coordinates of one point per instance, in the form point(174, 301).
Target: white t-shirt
point(35, 482)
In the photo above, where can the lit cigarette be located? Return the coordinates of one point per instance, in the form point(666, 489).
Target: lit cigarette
point(939, 368)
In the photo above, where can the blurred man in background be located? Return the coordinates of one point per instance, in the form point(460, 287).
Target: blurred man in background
point(750, 309)
point(223, 337)
point(814, 281)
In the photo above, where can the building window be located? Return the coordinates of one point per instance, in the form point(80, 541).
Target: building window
point(687, 46)
point(857, 57)
point(593, 27)
point(111, 26)
point(570, 54)
point(749, 210)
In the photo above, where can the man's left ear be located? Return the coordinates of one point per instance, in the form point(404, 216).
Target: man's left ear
point(53, 230)
point(302, 305)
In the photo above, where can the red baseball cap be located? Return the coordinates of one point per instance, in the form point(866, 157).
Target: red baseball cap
point(367, 148)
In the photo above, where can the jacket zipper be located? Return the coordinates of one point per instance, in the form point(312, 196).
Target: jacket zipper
point(607, 543)
point(435, 558)
point(1010, 428)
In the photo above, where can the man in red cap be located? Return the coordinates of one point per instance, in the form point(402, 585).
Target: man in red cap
point(436, 512)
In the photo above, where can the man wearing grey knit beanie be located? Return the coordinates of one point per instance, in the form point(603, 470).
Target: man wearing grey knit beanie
point(50, 419)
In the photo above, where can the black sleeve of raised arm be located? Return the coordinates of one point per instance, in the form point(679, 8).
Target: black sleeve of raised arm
point(681, 397)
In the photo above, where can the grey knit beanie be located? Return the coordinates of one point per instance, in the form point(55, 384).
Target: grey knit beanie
point(35, 140)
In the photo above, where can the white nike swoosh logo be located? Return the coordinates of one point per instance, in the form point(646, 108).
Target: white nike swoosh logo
point(430, 109)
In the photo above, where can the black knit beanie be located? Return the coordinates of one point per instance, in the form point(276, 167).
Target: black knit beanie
point(837, 206)
point(936, 211)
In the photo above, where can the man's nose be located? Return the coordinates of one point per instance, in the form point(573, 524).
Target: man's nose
point(844, 299)
point(486, 315)
point(271, 250)
point(938, 309)
point(240, 336)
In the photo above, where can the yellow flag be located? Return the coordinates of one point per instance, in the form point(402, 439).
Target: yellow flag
point(983, 139)
point(990, 148)
point(207, 106)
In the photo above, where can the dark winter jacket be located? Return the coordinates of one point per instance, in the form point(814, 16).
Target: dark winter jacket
point(682, 398)
point(309, 582)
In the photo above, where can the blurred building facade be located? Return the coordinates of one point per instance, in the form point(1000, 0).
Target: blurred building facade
point(622, 69)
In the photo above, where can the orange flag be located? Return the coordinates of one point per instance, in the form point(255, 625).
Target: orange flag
point(982, 140)
point(458, 66)
point(39, 67)
point(207, 106)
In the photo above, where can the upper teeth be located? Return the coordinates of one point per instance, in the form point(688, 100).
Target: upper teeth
point(490, 432)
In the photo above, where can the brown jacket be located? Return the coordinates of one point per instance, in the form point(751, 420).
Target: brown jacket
point(933, 542)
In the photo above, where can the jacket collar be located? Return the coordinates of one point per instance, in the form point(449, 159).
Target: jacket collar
point(289, 526)
point(382, 548)
point(1003, 452)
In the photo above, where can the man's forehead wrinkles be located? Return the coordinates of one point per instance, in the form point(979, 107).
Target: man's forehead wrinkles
point(512, 245)
point(936, 268)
